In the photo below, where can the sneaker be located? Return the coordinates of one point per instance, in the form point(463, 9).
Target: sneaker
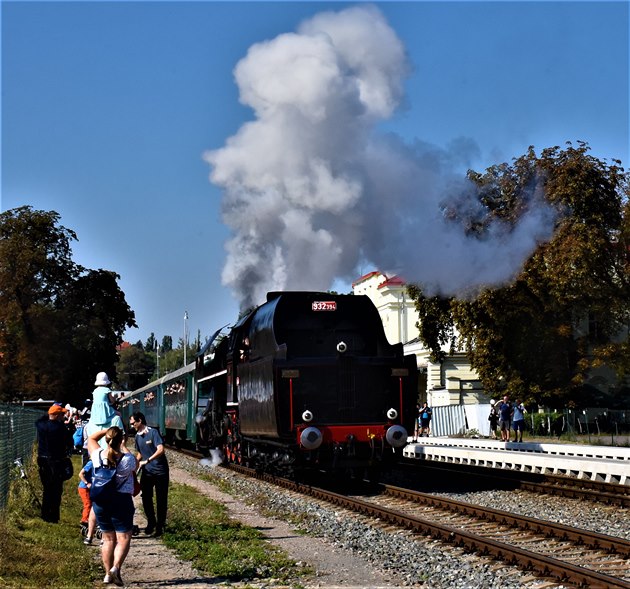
point(158, 531)
point(149, 530)
point(107, 579)
point(114, 573)
point(88, 541)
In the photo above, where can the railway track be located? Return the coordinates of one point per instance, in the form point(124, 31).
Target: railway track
point(554, 551)
point(558, 485)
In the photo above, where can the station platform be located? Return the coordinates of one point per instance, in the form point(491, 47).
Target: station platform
point(610, 464)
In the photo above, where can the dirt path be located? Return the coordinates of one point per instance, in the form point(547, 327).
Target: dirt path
point(150, 564)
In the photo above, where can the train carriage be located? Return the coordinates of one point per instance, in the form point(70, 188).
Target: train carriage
point(167, 404)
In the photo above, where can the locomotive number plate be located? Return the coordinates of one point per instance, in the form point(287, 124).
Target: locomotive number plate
point(324, 306)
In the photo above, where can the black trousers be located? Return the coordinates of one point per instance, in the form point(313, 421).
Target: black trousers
point(156, 517)
point(52, 485)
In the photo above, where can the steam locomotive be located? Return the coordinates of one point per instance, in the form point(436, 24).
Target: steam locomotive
point(305, 381)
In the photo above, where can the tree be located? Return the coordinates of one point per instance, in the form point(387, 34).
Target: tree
point(97, 315)
point(59, 323)
point(538, 337)
point(35, 266)
point(134, 368)
point(167, 343)
point(151, 343)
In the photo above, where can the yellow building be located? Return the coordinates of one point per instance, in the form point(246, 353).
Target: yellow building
point(452, 382)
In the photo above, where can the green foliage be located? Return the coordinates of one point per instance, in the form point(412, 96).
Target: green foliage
point(59, 322)
point(538, 337)
point(167, 343)
point(200, 530)
point(151, 344)
point(541, 423)
point(134, 368)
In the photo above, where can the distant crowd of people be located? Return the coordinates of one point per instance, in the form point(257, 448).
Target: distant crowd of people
point(507, 416)
point(108, 477)
point(504, 416)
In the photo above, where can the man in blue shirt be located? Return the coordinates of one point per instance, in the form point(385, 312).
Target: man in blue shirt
point(505, 418)
point(518, 420)
point(155, 474)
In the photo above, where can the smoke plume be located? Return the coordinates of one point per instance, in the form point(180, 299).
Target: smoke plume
point(312, 190)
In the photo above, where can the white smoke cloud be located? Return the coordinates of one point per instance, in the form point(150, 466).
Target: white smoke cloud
point(311, 190)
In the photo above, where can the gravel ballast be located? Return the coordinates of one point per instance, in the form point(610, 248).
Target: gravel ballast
point(419, 560)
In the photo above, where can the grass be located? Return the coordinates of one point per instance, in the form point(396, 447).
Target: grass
point(200, 530)
point(34, 553)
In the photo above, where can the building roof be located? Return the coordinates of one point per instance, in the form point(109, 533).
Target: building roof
point(393, 281)
point(366, 277)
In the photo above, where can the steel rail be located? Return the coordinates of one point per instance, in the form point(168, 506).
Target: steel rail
point(562, 486)
point(560, 531)
point(525, 559)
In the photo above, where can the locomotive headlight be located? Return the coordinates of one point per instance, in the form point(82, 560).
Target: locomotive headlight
point(307, 416)
point(392, 413)
point(342, 347)
point(311, 438)
point(396, 436)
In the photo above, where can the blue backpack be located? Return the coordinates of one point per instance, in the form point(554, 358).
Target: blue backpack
point(77, 437)
point(103, 482)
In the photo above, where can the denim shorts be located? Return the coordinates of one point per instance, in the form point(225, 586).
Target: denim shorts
point(115, 514)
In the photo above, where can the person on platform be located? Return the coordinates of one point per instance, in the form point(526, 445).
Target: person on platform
point(425, 419)
point(54, 445)
point(505, 418)
point(493, 418)
point(518, 420)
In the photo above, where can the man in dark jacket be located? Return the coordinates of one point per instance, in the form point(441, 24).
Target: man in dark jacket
point(54, 444)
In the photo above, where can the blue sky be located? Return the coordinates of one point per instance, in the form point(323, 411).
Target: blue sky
point(114, 114)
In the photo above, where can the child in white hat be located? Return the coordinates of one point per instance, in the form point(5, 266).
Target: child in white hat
point(102, 401)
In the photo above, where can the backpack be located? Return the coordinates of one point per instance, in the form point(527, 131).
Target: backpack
point(77, 437)
point(103, 482)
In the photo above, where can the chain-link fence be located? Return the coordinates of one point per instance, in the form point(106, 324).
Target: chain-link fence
point(17, 438)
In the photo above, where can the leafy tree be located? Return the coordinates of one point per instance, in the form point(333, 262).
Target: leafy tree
point(167, 343)
point(59, 323)
point(95, 309)
point(151, 343)
point(134, 368)
point(539, 337)
point(35, 266)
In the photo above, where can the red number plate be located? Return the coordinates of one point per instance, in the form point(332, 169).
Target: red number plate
point(324, 306)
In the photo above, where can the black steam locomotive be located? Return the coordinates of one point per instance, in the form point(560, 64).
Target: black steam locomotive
point(305, 381)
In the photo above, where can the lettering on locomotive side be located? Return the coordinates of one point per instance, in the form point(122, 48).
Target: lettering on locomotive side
point(400, 372)
point(324, 306)
point(290, 373)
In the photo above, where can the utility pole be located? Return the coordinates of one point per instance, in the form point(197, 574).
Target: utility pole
point(185, 334)
point(157, 358)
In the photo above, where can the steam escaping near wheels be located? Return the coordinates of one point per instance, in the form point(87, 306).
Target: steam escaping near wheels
point(216, 459)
